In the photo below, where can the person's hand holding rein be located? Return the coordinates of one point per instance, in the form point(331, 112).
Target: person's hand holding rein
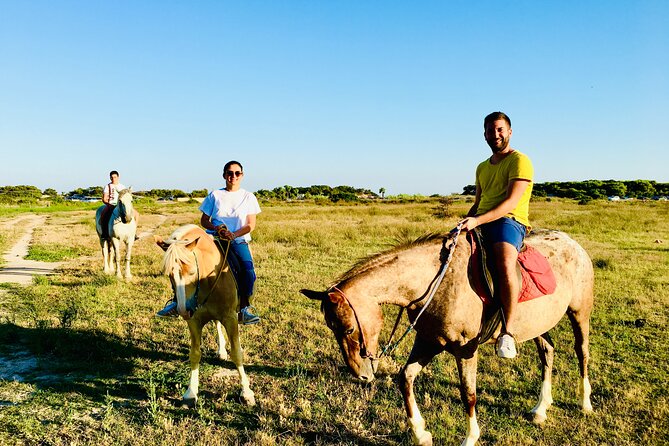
point(223, 233)
point(469, 223)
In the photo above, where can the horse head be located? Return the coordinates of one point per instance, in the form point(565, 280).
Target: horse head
point(124, 205)
point(180, 264)
point(356, 329)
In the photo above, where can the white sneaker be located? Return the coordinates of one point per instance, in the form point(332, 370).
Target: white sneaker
point(506, 346)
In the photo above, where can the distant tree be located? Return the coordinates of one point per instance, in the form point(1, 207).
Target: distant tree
point(199, 193)
point(50, 192)
point(640, 188)
point(343, 196)
point(382, 192)
point(470, 189)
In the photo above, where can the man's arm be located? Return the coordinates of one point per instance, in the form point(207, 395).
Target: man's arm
point(514, 192)
point(477, 200)
point(105, 195)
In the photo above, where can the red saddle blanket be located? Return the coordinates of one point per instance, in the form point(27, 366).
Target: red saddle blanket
point(536, 276)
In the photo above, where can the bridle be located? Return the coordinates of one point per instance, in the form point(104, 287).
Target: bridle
point(364, 352)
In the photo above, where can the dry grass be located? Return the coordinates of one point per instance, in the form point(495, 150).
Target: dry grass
point(98, 368)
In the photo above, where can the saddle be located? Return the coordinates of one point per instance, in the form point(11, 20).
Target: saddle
point(535, 277)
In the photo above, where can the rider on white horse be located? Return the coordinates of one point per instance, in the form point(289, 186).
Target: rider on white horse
point(110, 199)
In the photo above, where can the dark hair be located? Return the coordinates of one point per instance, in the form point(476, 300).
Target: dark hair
point(496, 116)
point(230, 163)
point(113, 172)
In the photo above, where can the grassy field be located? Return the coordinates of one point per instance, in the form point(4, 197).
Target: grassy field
point(84, 361)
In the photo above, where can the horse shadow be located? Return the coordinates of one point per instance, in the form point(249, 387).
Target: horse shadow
point(95, 364)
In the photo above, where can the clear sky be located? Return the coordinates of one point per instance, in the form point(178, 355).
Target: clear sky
point(364, 93)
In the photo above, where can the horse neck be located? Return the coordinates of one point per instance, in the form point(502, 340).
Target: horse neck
point(398, 278)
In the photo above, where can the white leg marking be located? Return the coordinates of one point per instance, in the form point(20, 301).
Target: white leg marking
point(247, 394)
point(585, 391)
point(473, 431)
point(545, 401)
point(193, 385)
point(420, 435)
point(222, 352)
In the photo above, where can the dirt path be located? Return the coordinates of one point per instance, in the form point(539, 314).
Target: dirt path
point(17, 269)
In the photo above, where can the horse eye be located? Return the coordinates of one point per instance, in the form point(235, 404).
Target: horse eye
point(349, 331)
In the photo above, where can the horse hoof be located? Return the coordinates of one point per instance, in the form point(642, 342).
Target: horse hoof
point(424, 440)
point(223, 356)
point(538, 419)
point(188, 403)
point(587, 408)
point(248, 398)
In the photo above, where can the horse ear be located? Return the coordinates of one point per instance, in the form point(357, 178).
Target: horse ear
point(160, 242)
point(316, 295)
point(191, 245)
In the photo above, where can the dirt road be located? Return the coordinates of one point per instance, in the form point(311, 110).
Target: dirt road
point(18, 269)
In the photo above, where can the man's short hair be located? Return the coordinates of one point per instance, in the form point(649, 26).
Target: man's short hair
point(113, 172)
point(230, 163)
point(496, 116)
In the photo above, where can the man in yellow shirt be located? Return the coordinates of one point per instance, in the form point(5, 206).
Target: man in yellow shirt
point(501, 209)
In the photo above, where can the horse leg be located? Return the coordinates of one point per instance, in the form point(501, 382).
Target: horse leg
point(421, 354)
point(104, 244)
point(546, 354)
point(232, 328)
point(580, 324)
point(467, 361)
point(128, 255)
point(117, 256)
point(190, 397)
point(222, 352)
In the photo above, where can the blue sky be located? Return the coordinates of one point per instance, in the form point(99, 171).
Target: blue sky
point(364, 93)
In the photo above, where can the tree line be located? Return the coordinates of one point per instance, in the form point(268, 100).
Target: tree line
point(594, 189)
point(578, 190)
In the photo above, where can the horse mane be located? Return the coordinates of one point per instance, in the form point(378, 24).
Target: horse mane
point(177, 253)
point(384, 257)
point(124, 192)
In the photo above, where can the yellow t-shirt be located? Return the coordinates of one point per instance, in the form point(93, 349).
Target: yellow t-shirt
point(494, 180)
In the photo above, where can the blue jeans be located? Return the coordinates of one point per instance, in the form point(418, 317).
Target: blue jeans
point(506, 230)
point(242, 262)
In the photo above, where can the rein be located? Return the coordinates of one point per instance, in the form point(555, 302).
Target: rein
point(434, 285)
point(197, 286)
point(432, 289)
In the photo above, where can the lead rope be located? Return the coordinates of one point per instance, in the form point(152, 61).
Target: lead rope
point(390, 347)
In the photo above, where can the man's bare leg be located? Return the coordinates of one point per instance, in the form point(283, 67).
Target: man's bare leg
point(506, 256)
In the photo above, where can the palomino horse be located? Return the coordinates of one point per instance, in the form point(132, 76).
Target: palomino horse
point(122, 227)
point(199, 272)
point(452, 321)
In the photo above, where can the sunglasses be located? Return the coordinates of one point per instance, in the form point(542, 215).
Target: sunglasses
point(237, 173)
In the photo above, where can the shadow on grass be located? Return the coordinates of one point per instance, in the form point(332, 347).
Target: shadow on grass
point(92, 363)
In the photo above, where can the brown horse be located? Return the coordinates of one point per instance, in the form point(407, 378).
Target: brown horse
point(452, 321)
point(198, 270)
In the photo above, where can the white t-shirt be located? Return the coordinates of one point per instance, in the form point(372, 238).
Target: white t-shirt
point(230, 209)
point(113, 190)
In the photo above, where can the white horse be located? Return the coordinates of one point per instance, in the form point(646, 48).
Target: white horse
point(122, 226)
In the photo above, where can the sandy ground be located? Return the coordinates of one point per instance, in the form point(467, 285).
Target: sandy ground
point(17, 269)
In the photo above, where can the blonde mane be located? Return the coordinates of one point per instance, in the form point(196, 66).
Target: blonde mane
point(177, 253)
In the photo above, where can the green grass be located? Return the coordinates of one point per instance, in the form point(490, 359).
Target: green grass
point(106, 372)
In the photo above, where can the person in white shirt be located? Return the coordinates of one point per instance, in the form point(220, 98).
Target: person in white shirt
point(110, 199)
point(230, 213)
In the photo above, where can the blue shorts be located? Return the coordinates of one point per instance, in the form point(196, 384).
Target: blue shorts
point(504, 230)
